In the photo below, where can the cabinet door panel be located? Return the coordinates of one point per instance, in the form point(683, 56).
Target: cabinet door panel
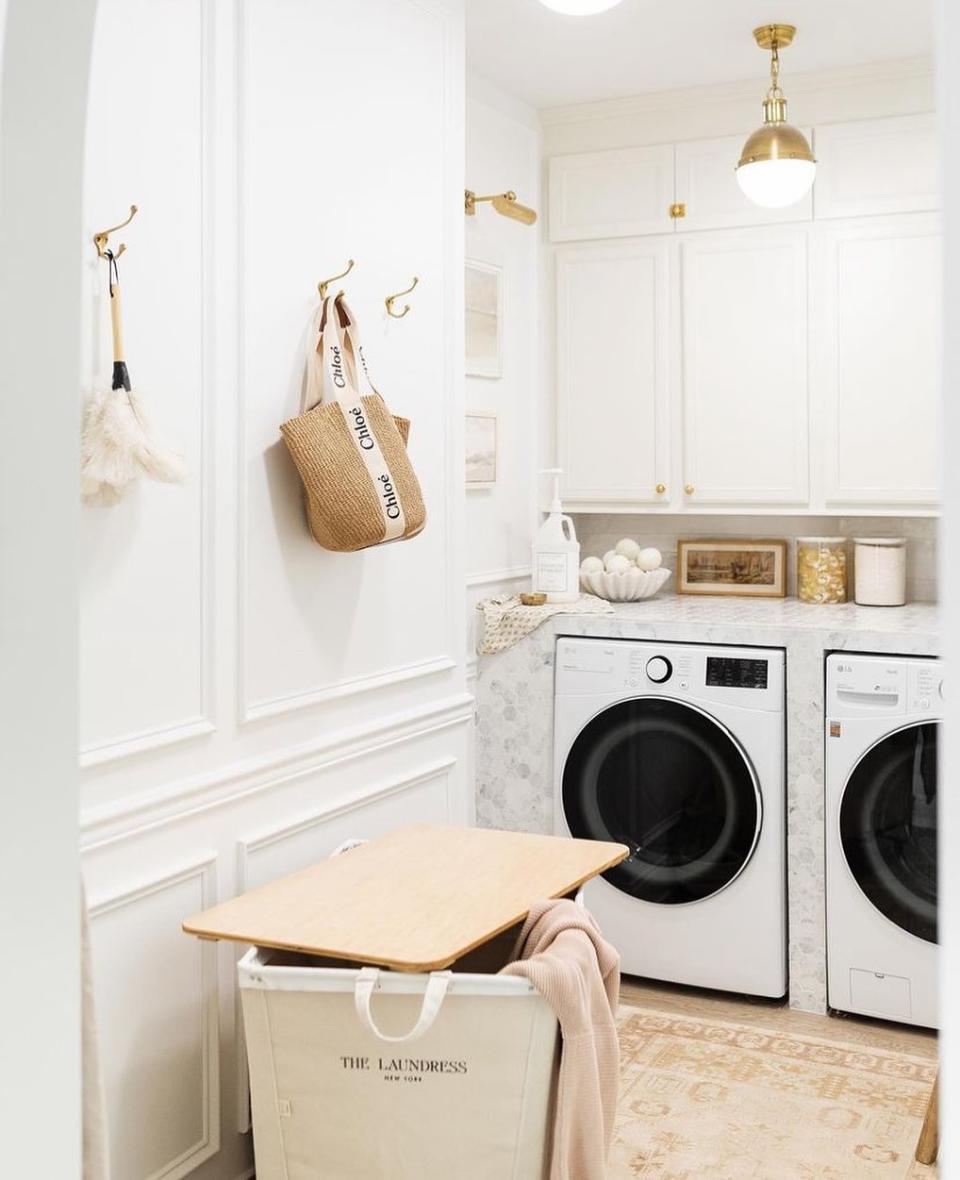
point(707, 186)
point(877, 342)
point(613, 371)
point(613, 194)
point(876, 166)
point(745, 367)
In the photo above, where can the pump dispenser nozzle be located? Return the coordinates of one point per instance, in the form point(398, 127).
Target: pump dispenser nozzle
point(555, 472)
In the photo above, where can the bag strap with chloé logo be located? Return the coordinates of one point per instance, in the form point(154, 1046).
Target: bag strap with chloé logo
point(329, 380)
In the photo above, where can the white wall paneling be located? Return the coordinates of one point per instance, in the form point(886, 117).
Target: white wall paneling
point(745, 366)
point(613, 370)
point(299, 645)
point(878, 359)
point(157, 994)
point(146, 581)
point(237, 678)
point(875, 166)
point(614, 194)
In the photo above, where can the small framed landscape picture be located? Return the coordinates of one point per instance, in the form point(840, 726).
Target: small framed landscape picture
point(480, 440)
point(755, 569)
point(484, 309)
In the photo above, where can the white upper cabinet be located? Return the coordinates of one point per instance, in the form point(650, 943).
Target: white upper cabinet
point(745, 367)
point(707, 188)
point(877, 309)
point(613, 194)
point(876, 166)
point(613, 345)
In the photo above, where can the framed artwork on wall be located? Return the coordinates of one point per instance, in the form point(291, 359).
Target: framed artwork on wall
point(484, 312)
point(755, 569)
point(480, 446)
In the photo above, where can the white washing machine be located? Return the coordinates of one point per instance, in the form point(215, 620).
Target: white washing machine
point(678, 751)
point(882, 718)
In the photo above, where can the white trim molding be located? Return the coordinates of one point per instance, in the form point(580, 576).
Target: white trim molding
point(491, 577)
point(228, 785)
point(205, 870)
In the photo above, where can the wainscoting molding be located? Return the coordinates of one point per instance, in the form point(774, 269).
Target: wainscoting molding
point(492, 577)
point(201, 724)
point(208, 999)
point(175, 801)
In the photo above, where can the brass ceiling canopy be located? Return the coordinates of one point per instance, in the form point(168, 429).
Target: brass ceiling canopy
point(505, 203)
point(776, 166)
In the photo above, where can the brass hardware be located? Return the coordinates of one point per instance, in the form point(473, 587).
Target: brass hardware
point(776, 139)
point(505, 203)
point(688, 488)
point(325, 283)
point(768, 36)
point(678, 210)
point(100, 239)
point(661, 488)
point(398, 315)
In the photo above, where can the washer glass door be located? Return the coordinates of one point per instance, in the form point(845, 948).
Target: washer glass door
point(674, 785)
point(888, 827)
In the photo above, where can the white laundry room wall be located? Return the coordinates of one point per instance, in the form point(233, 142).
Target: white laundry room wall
point(503, 153)
point(248, 699)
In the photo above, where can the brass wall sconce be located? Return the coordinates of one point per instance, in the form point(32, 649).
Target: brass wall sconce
point(505, 203)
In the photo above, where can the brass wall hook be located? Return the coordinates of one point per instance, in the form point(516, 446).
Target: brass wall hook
point(398, 315)
point(100, 239)
point(325, 283)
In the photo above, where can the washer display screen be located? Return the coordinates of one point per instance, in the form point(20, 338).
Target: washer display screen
point(673, 784)
point(724, 672)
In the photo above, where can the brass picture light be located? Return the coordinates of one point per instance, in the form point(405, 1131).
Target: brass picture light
point(504, 203)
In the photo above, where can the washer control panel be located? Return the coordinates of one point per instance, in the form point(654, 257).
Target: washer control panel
point(747, 677)
point(869, 686)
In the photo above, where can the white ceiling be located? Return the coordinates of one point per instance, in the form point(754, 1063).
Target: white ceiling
point(646, 45)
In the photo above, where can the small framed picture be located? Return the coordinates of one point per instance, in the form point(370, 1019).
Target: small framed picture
point(481, 450)
point(755, 569)
point(484, 308)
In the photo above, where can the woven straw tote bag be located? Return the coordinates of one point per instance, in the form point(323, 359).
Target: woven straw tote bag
point(361, 489)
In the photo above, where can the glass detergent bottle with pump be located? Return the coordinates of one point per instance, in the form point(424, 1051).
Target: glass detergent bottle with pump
point(556, 551)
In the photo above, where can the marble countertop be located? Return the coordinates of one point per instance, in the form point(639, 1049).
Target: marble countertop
point(788, 614)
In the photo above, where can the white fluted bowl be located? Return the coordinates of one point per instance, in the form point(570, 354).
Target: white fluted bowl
point(633, 586)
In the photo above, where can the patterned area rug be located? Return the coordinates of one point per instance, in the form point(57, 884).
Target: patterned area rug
point(714, 1100)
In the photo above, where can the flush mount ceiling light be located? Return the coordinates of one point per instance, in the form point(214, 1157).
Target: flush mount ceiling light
point(579, 7)
point(776, 165)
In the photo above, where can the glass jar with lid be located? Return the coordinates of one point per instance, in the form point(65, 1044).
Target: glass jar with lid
point(822, 569)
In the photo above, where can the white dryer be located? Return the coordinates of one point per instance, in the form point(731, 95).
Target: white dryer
point(882, 718)
point(678, 751)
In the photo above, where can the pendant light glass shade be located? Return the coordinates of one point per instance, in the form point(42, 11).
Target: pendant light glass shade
point(579, 7)
point(776, 165)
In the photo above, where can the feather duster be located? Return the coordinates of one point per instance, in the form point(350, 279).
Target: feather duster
point(117, 444)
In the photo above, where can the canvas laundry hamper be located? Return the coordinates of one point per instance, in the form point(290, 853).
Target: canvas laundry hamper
point(361, 1073)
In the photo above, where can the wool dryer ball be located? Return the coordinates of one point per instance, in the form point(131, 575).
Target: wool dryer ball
point(618, 564)
point(591, 565)
point(649, 559)
point(627, 548)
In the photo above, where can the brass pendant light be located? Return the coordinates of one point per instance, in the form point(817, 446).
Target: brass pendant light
point(776, 165)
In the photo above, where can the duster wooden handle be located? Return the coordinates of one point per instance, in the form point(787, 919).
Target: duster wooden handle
point(116, 321)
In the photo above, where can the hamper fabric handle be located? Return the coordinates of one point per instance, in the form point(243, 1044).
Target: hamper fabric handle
point(367, 978)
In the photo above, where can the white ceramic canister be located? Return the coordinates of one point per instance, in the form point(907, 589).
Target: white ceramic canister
point(880, 571)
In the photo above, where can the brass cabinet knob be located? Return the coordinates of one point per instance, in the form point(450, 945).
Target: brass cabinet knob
point(661, 488)
point(688, 488)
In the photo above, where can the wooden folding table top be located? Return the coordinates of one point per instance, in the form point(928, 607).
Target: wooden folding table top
point(415, 900)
